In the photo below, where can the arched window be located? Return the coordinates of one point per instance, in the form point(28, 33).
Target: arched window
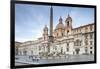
point(77, 43)
point(90, 52)
point(67, 31)
point(68, 23)
point(77, 50)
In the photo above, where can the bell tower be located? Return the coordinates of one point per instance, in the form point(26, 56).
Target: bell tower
point(68, 25)
point(45, 33)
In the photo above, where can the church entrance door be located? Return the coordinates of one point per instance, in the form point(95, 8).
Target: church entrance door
point(77, 51)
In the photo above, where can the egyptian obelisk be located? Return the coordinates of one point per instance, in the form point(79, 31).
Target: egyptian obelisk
point(51, 25)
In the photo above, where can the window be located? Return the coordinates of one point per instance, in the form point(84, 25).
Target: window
point(91, 36)
point(90, 47)
point(91, 28)
point(90, 52)
point(67, 44)
point(67, 31)
point(80, 43)
point(86, 28)
point(86, 42)
point(68, 23)
point(91, 42)
point(61, 50)
point(86, 36)
point(73, 53)
point(86, 49)
point(77, 43)
point(80, 29)
point(67, 49)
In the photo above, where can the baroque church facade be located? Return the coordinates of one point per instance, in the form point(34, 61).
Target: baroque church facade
point(63, 40)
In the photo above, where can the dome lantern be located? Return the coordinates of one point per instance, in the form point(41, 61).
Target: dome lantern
point(45, 28)
point(60, 19)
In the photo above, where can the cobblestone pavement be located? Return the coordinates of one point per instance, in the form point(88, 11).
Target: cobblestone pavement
point(75, 58)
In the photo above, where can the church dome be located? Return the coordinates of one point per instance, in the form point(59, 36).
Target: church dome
point(60, 25)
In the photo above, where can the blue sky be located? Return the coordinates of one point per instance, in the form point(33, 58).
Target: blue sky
point(31, 19)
